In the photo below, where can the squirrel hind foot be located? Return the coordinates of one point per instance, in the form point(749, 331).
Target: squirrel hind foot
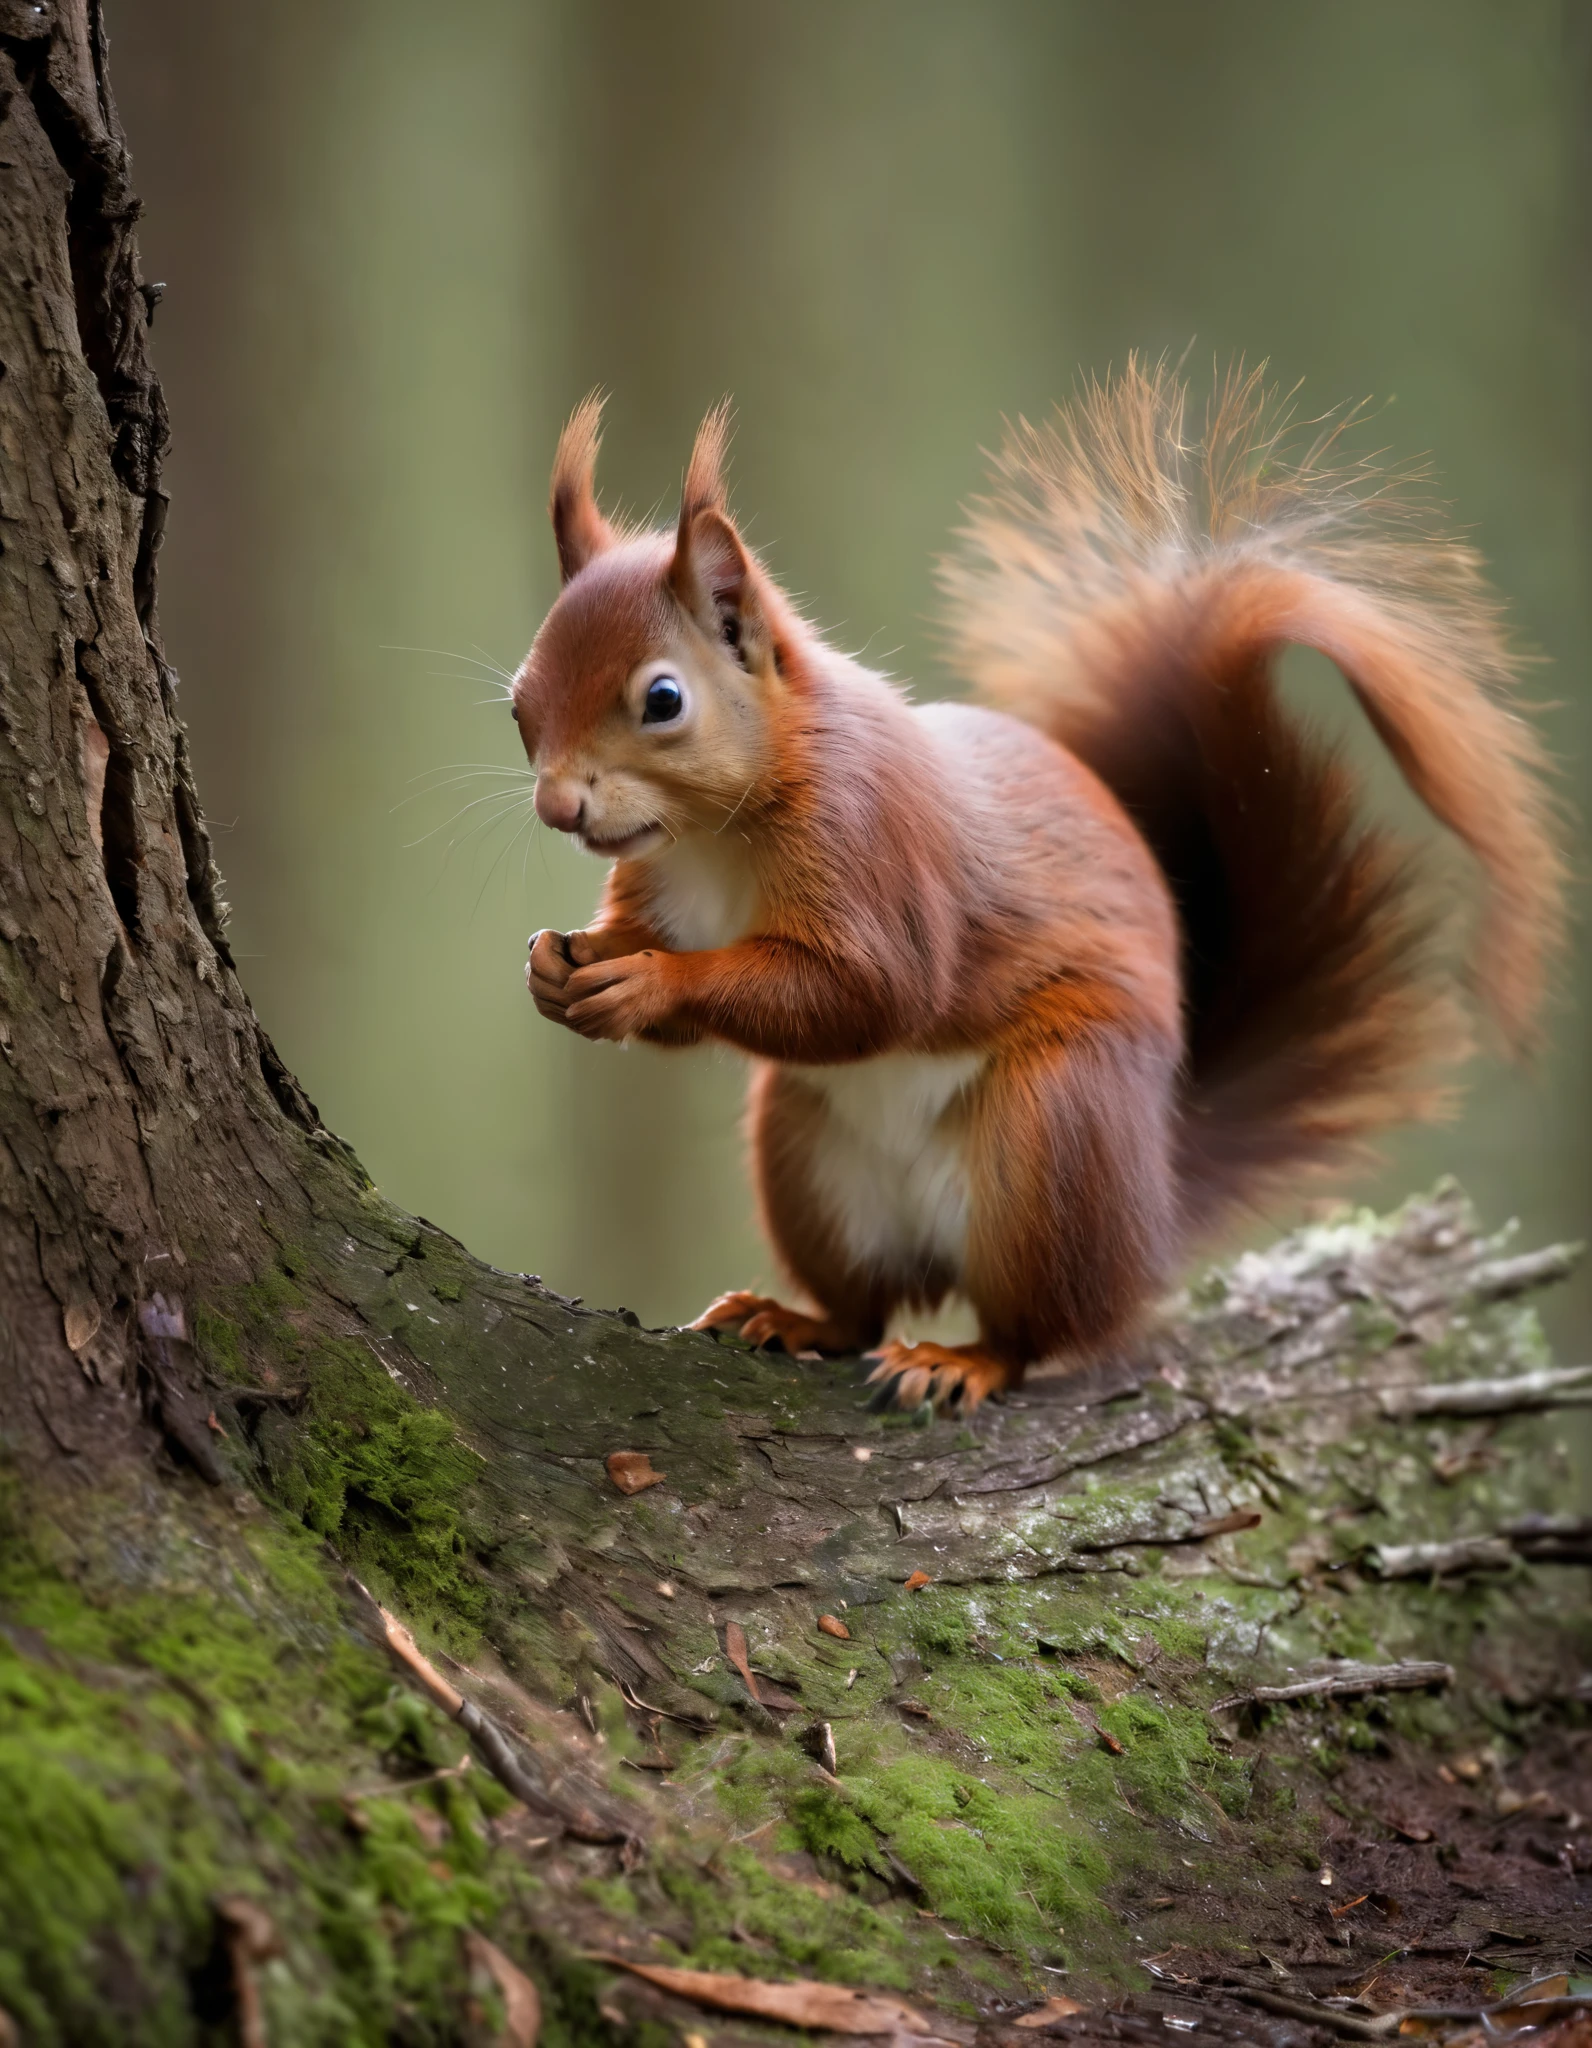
point(762, 1321)
point(953, 1378)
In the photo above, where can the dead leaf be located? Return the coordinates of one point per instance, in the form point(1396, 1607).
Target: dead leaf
point(735, 1650)
point(1411, 1830)
point(1348, 1906)
point(916, 1709)
point(833, 1626)
point(1057, 2008)
point(917, 1581)
point(522, 2005)
point(631, 1471)
point(799, 2003)
point(81, 1324)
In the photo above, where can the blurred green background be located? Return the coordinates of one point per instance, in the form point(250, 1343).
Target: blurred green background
point(400, 240)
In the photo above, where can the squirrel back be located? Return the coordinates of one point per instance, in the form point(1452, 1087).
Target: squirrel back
point(1128, 593)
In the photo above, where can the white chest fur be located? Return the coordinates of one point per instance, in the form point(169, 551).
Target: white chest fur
point(890, 1161)
point(704, 892)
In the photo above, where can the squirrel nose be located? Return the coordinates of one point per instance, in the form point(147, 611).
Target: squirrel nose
point(559, 804)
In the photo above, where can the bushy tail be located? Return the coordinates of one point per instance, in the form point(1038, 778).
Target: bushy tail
point(1128, 592)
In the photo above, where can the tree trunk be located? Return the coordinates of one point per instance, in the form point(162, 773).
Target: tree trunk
point(962, 1714)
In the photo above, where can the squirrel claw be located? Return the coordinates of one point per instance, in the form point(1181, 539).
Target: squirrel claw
point(764, 1322)
point(951, 1378)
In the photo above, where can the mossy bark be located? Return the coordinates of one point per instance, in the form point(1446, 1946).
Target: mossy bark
point(241, 1394)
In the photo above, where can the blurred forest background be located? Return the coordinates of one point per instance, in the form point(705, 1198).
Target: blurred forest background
point(401, 240)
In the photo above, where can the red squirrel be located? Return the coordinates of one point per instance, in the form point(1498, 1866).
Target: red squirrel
point(1037, 988)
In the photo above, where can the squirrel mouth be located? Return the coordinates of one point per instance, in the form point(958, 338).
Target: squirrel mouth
point(627, 842)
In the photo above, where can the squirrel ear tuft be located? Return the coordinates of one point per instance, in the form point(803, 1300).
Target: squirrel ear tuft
point(704, 480)
point(711, 573)
point(578, 527)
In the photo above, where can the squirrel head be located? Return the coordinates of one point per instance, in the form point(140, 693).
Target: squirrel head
point(646, 702)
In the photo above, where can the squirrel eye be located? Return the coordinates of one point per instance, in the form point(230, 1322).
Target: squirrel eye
point(665, 700)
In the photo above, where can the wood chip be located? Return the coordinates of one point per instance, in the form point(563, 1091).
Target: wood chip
point(81, 1325)
point(798, 2003)
point(917, 1582)
point(1057, 2008)
point(735, 1650)
point(631, 1471)
point(819, 1743)
point(522, 2005)
point(833, 1626)
point(1226, 1525)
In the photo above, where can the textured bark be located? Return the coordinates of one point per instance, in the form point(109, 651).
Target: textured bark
point(1027, 1662)
point(151, 1138)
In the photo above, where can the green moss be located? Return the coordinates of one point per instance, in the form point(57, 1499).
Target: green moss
point(1169, 1760)
point(387, 1480)
point(1003, 1864)
point(219, 1342)
point(828, 1828)
point(164, 1746)
point(800, 1930)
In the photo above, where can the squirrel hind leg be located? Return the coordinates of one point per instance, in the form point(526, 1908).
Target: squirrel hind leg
point(954, 1377)
point(761, 1320)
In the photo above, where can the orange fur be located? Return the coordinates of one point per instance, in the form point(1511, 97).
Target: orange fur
point(1034, 990)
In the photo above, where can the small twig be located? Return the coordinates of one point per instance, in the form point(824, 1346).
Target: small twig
point(1353, 1680)
point(491, 1744)
point(645, 1707)
point(1567, 1387)
point(409, 1785)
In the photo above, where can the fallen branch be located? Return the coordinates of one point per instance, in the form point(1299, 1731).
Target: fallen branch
point(1442, 1560)
point(1552, 1539)
point(1525, 1393)
point(1348, 1683)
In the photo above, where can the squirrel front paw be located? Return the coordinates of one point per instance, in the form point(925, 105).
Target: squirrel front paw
point(553, 958)
point(617, 999)
point(547, 971)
